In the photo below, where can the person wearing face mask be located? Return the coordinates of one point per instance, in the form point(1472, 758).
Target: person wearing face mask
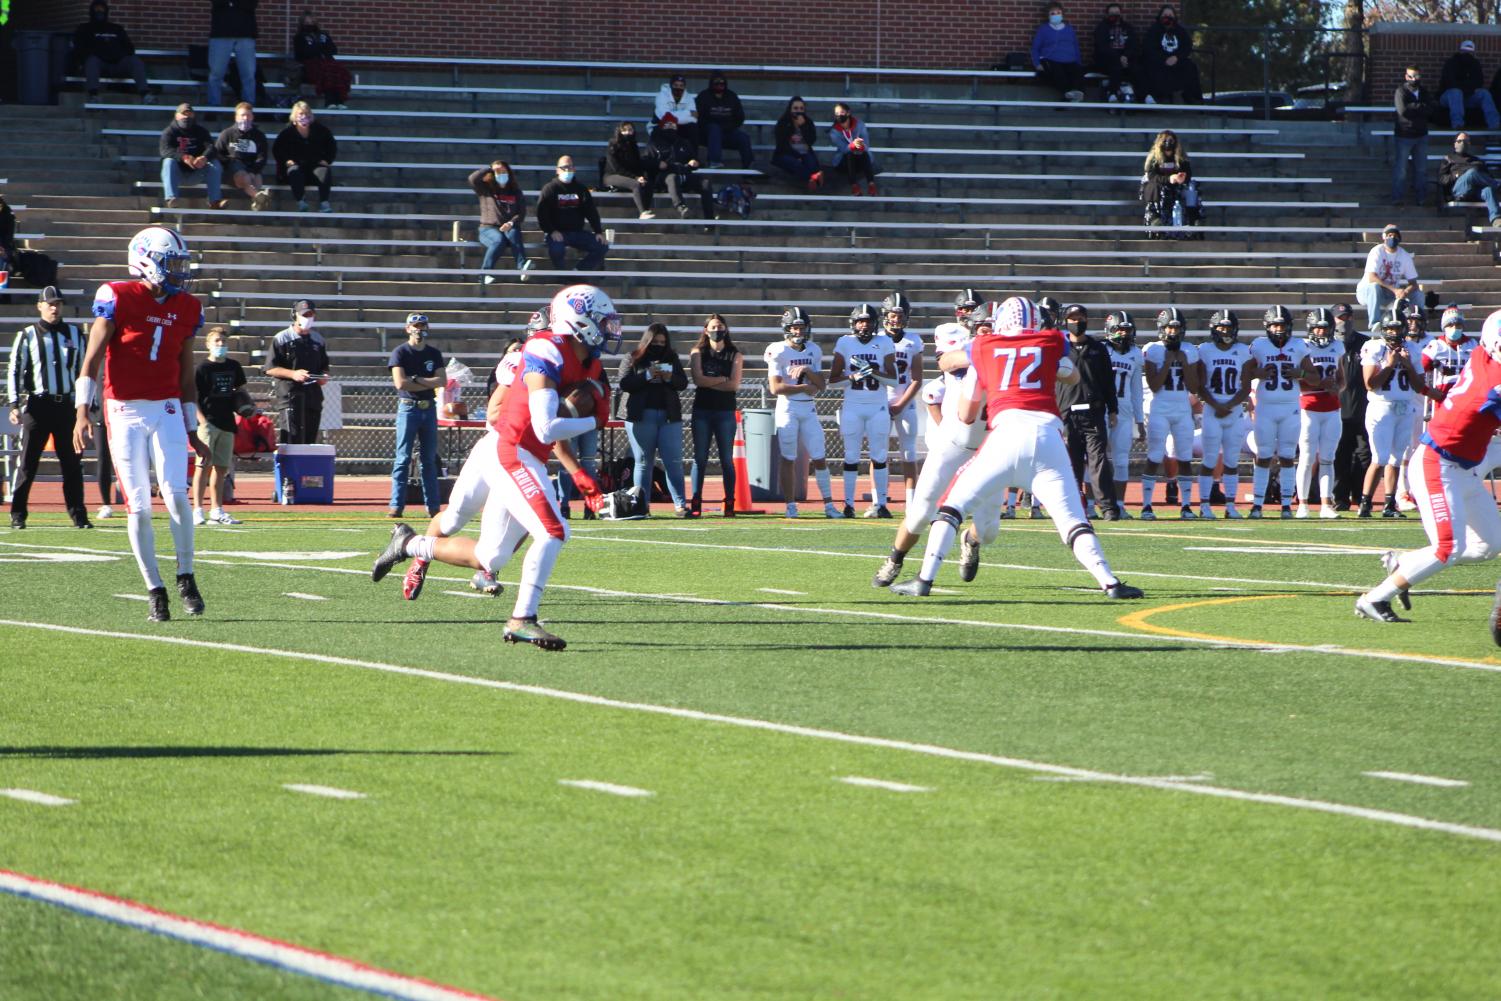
point(188, 153)
point(673, 100)
point(418, 373)
point(221, 381)
point(1055, 55)
point(242, 149)
point(1167, 182)
point(502, 210)
point(1167, 68)
point(297, 362)
point(675, 162)
point(651, 377)
point(1090, 407)
point(1461, 88)
point(1390, 275)
point(1464, 176)
point(626, 168)
point(796, 145)
point(716, 364)
point(1414, 106)
point(1116, 45)
point(1353, 454)
point(104, 48)
point(567, 216)
point(720, 117)
point(314, 48)
point(306, 149)
point(45, 360)
point(852, 155)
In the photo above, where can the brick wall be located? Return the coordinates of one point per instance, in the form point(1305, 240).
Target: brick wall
point(1394, 46)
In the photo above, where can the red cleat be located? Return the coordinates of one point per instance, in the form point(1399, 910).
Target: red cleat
point(411, 584)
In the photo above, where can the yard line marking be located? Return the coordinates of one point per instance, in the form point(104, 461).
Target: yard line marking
point(304, 597)
point(246, 945)
point(1200, 777)
point(39, 798)
point(468, 594)
point(1422, 780)
point(816, 733)
point(133, 597)
point(609, 787)
point(779, 590)
point(328, 791)
point(857, 780)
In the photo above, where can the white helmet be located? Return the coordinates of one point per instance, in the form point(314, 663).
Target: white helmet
point(1490, 336)
point(588, 314)
point(159, 255)
point(1017, 314)
point(950, 337)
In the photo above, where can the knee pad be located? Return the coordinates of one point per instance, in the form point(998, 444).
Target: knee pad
point(875, 465)
point(951, 515)
point(1084, 528)
point(852, 467)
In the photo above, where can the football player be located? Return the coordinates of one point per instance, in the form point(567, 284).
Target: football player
point(1225, 371)
point(521, 503)
point(142, 337)
point(1319, 428)
point(1125, 360)
point(1017, 366)
point(1172, 375)
point(1459, 515)
point(1392, 379)
point(1415, 328)
point(901, 396)
point(793, 374)
point(1445, 356)
point(863, 360)
point(1281, 364)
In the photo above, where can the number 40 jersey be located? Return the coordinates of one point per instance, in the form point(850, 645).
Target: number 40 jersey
point(143, 359)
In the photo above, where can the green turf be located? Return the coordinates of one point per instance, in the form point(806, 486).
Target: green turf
point(751, 872)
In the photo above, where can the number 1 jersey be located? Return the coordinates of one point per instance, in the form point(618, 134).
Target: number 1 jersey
point(142, 360)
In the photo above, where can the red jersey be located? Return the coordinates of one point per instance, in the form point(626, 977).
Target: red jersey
point(1018, 371)
point(141, 362)
point(1463, 424)
point(553, 356)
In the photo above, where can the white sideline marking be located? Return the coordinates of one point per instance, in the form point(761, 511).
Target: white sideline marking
point(609, 787)
point(469, 594)
point(836, 736)
point(856, 780)
point(328, 791)
point(39, 798)
point(1309, 550)
point(133, 597)
point(1422, 780)
point(304, 597)
point(1200, 777)
point(778, 590)
point(246, 945)
point(944, 590)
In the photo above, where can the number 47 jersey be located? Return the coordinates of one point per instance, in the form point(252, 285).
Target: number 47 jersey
point(1018, 371)
point(143, 358)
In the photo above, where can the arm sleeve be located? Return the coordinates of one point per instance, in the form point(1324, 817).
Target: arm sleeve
point(18, 354)
point(1136, 391)
point(548, 426)
point(167, 145)
point(546, 210)
point(591, 212)
point(333, 146)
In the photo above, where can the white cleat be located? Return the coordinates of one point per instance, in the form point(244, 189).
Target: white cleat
point(105, 511)
point(1302, 511)
point(1328, 513)
point(198, 518)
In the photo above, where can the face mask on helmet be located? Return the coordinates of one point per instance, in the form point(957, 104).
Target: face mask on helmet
point(895, 322)
point(796, 335)
point(863, 330)
point(1223, 334)
point(1278, 333)
point(1321, 336)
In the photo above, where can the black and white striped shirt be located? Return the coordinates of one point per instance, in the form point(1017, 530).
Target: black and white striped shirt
point(45, 360)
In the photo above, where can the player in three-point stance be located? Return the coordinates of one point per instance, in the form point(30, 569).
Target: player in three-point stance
point(863, 363)
point(521, 502)
point(1017, 367)
point(1447, 477)
point(143, 338)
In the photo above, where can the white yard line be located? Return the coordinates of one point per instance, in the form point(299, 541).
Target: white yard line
point(1422, 780)
point(780, 590)
point(606, 787)
point(304, 597)
point(858, 780)
point(132, 597)
point(39, 798)
point(468, 594)
point(328, 791)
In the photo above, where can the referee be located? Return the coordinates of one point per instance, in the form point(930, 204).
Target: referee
point(1089, 407)
point(44, 360)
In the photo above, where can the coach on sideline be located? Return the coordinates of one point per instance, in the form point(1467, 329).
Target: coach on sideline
point(44, 362)
point(298, 362)
point(1090, 408)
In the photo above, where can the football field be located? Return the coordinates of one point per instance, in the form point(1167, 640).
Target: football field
point(751, 774)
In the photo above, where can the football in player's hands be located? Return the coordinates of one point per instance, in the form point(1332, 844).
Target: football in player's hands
point(577, 400)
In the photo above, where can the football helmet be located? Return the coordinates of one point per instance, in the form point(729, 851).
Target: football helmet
point(864, 311)
point(159, 256)
point(983, 315)
point(1392, 327)
point(1453, 325)
point(796, 317)
point(621, 505)
point(1015, 314)
point(1224, 327)
point(1050, 313)
point(1320, 320)
point(965, 301)
point(1278, 316)
point(895, 309)
point(1170, 327)
point(1490, 335)
point(1414, 319)
point(587, 314)
point(1120, 330)
point(539, 321)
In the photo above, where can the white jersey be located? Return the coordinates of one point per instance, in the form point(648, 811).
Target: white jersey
point(1325, 361)
point(1223, 370)
point(1174, 392)
point(905, 353)
point(1400, 389)
point(1444, 361)
point(781, 358)
point(1283, 388)
point(1128, 386)
point(948, 392)
point(864, 393)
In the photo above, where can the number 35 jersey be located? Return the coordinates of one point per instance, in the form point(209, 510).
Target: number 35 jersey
point(1018, 371)
point(142, 360)
point(1281, 388)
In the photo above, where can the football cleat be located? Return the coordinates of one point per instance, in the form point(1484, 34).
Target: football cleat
point(1392, 512)
point(882, 511)
point(1206, 512)
point(1255, 512)
point(1328, 513)
point(484, 582)
point(914, 588)
point(1378, 611)
point(1121, 591)
point(395, 551)
point(1287, 512)
point(1187, 513)
point(1365, 510)
point(848, 511)
point(1389, 561)
point(1232, 512)
point(791, 510)
point(870, 512)
point(890, 570)
point(969, 558)
point(1146, 513)
point(1495, 621)
point(1302, 512)
point(1008, 514)
point(411, 584)
point(528, 630)
point(157, 596)
point(187, 590)
point(1125, 514)
point(1113, 513)
point(223, 518)
point(830, 511)
point(1037, 514)
point(105, 511)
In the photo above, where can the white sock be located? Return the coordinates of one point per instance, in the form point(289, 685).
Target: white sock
point(1092, 558)
point(143, 544)
point(1231, 484)
point(1259, 480)
point(851, 485)
point(421, 547)
point(1186, 491)
point(824, 484)
point(1148, 487)
point(940, 540)
point(1305, 477)
point(1285, 479)
point(1326, 484)
point(535, 570)
point(881, 477)
point(180, 519)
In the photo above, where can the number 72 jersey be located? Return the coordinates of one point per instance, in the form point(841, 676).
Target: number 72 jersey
point(142, 360)
point(1018, 371)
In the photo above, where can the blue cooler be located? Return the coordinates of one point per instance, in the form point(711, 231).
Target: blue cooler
point(308, 470)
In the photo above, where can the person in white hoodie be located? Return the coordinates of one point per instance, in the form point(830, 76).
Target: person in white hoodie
point(674, 99)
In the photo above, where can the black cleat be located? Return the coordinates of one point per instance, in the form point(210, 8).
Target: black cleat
point(1496, 618)
point(969, 558)
point(159, 610)
point(1379, 611)
point(1119, 591)
point(914, 588)
point(528, 630)
point(187, 590)
point(883, 511)
point(1364, 511)
point(890, 571)
point(848, 511)
point(395, 551)
point(17, 521)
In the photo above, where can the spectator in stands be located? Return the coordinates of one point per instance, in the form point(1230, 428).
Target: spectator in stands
point(314, 48)
point(720, 117)
point(1167, 184)
point(242, 149)
point(626, 168)
point(297, 362)
point(1463, 175)
point(1167, 68)
point(220, 381)
point(1390, 274)
point(1410, 137)
point(232, 33)
point(676, 160)
point(852, 155)
point(417, 372)
point(502, 210)
point(103, 47)
point(796, 139)
point(187, 150)
point(568, 218)
point(1353, 455)
point(1116, 55)
point(651, 377)
point(306, 149)
point(1056, 57)
point(1461, 88)
point(717, 366)
point(673, 100)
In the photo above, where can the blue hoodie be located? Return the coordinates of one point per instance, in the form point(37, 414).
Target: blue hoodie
point(1058, 45)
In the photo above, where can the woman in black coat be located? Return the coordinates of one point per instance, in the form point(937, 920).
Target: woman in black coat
point(796, 144)
point(306, 149)
point(651, 377)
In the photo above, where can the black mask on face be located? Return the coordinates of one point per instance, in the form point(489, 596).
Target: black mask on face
point(842, 117)
point(1076, 327)
point(98, 14)
point(1113, 18)
point(1168, 20)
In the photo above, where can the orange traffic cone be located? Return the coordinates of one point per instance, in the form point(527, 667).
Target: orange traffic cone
point(742, 471)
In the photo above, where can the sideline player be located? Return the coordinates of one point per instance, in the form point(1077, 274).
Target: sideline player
point(863, 360)
point(1447, 475)
point(1415, 328)
point(1280, 366)
point(1172, 375)
point(1392, 381)
point(793, 374)
point(1225, 369)
point(1319, 427)
point(901, 395)
point(1125, 361)
point(521, 503)
point(143, 338)
point(1017, 367)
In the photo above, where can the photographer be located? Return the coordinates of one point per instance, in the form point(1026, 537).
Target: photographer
point(651, 377)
